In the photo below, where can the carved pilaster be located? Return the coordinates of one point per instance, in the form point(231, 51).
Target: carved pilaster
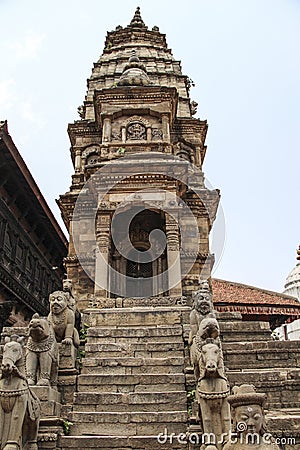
point(174, 268)
point(106, 135)
point(103, 244)
point(166, 128)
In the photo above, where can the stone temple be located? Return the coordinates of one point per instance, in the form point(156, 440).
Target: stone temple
point(139, 217)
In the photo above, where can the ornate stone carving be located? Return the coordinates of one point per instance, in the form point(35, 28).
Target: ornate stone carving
point(19, 406)
point(157, 134)
point(247, 409)
point(116, 136)
point(194, 106)
point(136, 131)
point(42, 353)
point(68, 289)
point(201, 308)
point(62, 319)
point(91, 150)
point(139, 119)
point(207, 359)
point(81, 111)
point(212, 385)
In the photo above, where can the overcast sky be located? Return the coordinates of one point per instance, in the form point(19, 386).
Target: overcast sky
point(243, 56)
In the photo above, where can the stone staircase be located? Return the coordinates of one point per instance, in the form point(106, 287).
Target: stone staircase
point(134, 380)
point(132, 384)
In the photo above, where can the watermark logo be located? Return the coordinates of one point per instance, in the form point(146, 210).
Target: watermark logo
point(239, 437)
point(132, 207)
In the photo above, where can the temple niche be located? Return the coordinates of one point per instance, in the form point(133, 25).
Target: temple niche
point(141, 272)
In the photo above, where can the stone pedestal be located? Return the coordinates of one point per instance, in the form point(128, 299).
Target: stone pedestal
point(67, 373)
point(51, 425)
point(50, 400)
point(50, 430)
point(67, 359)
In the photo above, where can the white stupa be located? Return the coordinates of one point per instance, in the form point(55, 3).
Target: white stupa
point(292, 287)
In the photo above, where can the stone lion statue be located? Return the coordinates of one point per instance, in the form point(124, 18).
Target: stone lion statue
point(41, 353)
point(62, 318)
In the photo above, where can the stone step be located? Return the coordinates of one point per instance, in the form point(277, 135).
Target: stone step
point(239, 331)
point(127, 402)
point(118, 349)
point(284, 422)
point(128, 317)
point(256, 355)
point(132, 424)
point(134, 332)
point(130, 365)
point(281, 385)
point(131, 383)
point(120, 443)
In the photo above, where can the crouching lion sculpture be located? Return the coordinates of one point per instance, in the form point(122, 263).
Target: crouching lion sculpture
point(42, 353)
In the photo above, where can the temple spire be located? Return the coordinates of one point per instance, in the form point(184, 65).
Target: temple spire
point(298, 254)
point(137, 21)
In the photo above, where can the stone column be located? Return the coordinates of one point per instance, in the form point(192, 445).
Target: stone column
point(78, 160)
point(149, 134)
point(166, 128)
point(106, 135)
point(123, 134)
point(103, 243)
point(174, 268)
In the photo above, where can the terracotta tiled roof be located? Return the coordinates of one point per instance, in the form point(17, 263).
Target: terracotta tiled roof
point(231, 296)
point(231, 292)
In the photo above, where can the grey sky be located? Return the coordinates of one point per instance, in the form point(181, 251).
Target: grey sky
point(243, 56)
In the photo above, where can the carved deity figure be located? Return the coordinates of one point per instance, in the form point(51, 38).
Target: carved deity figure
point(201, 308)
point(19, 406)
point(62, 318)
point(42, 353)
point(247, 410)
point(68, 289)
point(212, 387)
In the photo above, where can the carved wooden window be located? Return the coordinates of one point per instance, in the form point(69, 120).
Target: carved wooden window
point(136, 131)
point(7, 242)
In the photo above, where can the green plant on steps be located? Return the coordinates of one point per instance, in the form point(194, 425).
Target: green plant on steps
point(191, 397)
point(67, 427)
point(83, 332)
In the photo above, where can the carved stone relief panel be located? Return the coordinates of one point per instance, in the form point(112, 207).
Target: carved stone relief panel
point(136, 131)
point(157, 134)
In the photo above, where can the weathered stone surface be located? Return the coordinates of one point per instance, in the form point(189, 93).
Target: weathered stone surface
point(117, 442)
point(137, 317)
point(132, 365)
point(146, 402)
point(46, 393)
point(143, 423)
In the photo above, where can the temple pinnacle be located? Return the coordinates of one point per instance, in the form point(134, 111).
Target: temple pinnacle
point(137, 20)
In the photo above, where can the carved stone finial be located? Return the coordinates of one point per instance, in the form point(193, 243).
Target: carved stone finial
point(137, 21)
point(133, 57)
point(134, 73)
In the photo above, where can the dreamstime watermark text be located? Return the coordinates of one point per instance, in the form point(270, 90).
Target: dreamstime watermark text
point(232, 437)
